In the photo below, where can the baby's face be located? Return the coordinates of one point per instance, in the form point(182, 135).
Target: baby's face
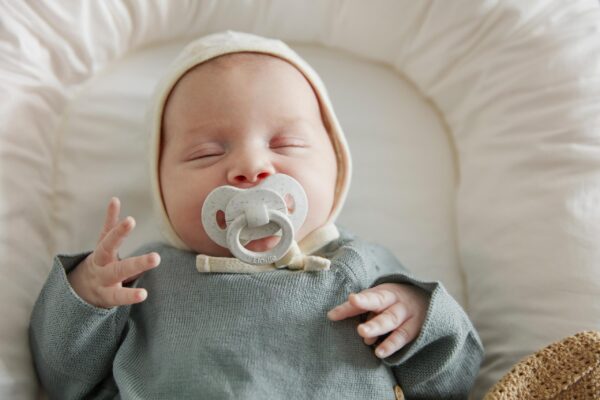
point(236, 120)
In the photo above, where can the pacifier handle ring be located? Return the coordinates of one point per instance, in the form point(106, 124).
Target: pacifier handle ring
point(266, 257)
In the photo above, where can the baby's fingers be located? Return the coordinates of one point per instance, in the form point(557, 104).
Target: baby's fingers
point(370, 340)
point(343, 311)
point(385, 322)
point(107, 249)
point(112, 217)
point(120, 271)
point(120, 296)
point(396, 340)
point(374, 299)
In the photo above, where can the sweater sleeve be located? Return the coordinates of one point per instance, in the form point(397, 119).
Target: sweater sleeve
point(443, 361)
point(72, 342)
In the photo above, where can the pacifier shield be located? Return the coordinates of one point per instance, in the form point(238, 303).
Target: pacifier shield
point(256, 213)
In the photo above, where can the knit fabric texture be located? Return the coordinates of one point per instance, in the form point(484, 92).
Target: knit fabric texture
point(249, 336)
point(565, 370)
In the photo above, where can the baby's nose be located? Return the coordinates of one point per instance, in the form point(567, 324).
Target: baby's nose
point(250, 166)
point(251, 178)
point(246, 176)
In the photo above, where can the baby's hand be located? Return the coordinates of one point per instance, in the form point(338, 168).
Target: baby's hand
point(99, 278)
point(396, 308)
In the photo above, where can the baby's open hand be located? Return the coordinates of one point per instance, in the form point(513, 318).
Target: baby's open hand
point(99, 278)
point(397, 309)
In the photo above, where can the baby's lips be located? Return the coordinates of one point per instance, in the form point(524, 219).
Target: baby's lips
point(262, 245)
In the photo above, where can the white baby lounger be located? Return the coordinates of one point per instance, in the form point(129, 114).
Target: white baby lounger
point(474, 127)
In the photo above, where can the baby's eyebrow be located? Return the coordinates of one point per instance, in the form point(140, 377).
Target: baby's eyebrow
point(207, 126)
point(292, 120)
point(206, 132)
point(295, 121)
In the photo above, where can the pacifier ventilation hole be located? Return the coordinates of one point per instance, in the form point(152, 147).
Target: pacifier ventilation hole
point(220, 217)
point(290, 203)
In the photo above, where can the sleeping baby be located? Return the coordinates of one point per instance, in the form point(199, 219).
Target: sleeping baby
point(258, 294)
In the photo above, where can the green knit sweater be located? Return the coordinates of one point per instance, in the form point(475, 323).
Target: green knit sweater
point(245, 336)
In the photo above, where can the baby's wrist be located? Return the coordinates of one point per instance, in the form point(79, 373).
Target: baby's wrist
point(77, 280)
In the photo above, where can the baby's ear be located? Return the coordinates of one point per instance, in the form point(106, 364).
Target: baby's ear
point(569, 369)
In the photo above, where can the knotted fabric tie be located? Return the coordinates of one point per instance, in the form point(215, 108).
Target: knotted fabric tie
point(294, 259)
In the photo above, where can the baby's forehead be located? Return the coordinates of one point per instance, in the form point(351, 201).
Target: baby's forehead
point(181, 108)
point(245, 64)
point(217, 72)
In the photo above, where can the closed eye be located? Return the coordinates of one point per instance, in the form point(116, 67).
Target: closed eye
point(283, 142)
point(196, 157)
point(204, 154)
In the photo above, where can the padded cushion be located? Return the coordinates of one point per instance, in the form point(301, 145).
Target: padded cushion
point(513, 84)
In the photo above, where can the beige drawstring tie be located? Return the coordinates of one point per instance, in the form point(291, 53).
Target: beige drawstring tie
point(294, 260)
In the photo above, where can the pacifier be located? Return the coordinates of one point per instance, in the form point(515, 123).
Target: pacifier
point(256, 213)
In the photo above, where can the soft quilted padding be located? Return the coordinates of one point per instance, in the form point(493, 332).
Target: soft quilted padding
point(516, 83)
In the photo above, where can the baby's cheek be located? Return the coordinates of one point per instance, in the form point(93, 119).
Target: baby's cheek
point(184, 210)
point(320, 201)
point(196, 239)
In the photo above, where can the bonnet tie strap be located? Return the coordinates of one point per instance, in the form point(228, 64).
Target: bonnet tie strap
point(294, 259)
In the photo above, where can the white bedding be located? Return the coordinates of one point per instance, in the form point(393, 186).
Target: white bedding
point(473, 124)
